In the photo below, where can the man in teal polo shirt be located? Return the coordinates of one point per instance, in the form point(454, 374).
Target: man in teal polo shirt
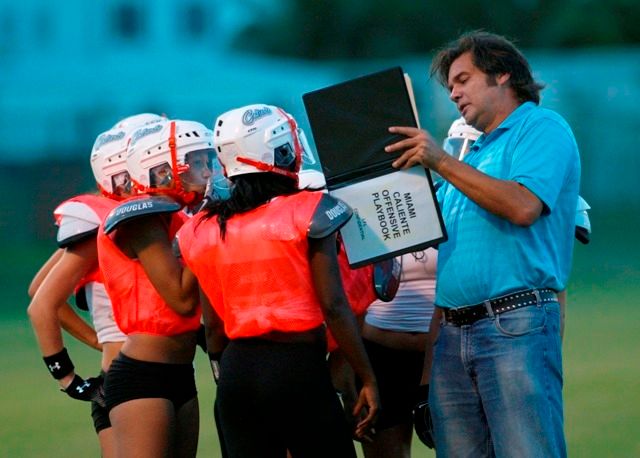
point(509, 209)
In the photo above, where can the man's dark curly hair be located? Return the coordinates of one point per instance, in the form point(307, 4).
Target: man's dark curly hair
point(493, 55)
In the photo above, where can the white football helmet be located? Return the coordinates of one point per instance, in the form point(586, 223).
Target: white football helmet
point(108, 156)
point(460, 138)
point(139, 120)
point(164, 146)
point(311, 179)
point(260, 138)
point(108, 162)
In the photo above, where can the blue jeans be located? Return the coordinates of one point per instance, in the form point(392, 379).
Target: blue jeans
point(496, 386)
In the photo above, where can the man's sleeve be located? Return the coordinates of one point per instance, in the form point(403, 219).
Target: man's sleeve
point(542, 159)
point(440, 194)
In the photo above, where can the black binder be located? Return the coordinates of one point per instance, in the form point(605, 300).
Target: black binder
point(395, 211)
point(350, 122)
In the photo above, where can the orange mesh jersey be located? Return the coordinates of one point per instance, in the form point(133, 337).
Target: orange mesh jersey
point(137, 306)
point(258, 279)
point(358, 283)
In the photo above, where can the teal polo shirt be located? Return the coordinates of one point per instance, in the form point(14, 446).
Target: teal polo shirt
point(487, 256)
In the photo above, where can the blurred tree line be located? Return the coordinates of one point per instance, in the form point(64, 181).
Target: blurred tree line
point(339, 29)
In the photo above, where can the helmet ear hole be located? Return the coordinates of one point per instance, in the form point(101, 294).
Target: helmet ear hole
point(284, 157)
point(161, 176)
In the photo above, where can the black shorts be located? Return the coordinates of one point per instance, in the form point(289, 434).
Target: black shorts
point(398, 373)
point(100, 417)
point(99, 414)
point(130, 379)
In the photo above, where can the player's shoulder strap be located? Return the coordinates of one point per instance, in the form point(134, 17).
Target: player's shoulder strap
point(139, 207)
point(329, 216)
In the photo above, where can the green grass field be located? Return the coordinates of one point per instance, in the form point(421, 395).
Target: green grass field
point(602, 388)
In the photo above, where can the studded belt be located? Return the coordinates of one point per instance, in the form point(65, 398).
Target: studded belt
point(472, 313)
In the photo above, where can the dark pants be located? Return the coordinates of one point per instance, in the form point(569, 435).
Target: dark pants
point(398, 373)
point(274, 397)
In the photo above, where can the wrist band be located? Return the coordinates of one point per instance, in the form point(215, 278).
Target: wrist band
point(77, 384)
point(59, 365)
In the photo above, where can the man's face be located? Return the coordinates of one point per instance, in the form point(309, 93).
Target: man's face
point(477, 95)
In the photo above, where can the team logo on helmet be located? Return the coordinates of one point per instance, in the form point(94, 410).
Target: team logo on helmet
point(140, 133)
point(108, 138)
point(253, 114)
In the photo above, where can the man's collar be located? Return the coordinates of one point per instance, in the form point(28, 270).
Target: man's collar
point(506, 124)
point(516, 115)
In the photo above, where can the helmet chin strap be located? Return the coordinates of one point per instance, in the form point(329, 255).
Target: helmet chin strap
point(296, 141)
point(267, 167)
point(179, 192)
point(110, 195)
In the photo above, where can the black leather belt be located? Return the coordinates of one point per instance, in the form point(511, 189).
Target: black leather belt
point(472, 313)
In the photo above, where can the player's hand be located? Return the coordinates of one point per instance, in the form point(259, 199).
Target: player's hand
point(422, 417)
point(349, 400)
point(367, 409)
point(86, 390)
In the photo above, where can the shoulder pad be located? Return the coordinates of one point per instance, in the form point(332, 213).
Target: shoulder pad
point(76, 221)
point(138, 207)
point(330, 215)
point(386, 279)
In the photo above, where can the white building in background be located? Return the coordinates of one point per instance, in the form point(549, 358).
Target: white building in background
point(69, 70)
